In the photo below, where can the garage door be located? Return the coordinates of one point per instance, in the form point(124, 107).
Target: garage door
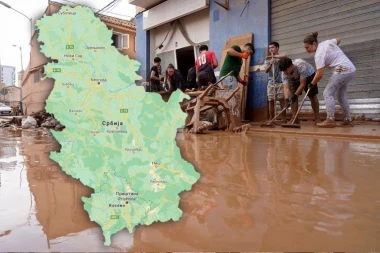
point(356, 22)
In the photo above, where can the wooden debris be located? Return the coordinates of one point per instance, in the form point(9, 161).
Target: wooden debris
point(43, 119)
point(203, 103)
point(204, 126)
point(242, 129)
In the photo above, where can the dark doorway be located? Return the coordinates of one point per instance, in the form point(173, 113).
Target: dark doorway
point(185, 60)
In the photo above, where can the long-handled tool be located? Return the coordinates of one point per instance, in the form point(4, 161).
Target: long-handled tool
point(244, 95)
point(292, 125)
point(220, 80)
point(274, 85)
point(215, 85)
point(270, 123)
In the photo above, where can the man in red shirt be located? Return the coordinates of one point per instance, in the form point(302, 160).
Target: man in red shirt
point(205, 65)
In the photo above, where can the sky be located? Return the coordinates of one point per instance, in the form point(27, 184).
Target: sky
point(15, 28)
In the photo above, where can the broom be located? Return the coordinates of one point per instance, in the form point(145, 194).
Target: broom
point(292, 125)
point(270, 123)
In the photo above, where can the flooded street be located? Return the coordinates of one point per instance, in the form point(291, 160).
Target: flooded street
point(256, 193)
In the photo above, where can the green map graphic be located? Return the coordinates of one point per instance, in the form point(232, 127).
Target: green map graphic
point(119, 140)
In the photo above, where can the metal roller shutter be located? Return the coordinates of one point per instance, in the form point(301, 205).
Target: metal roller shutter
point(356, 22)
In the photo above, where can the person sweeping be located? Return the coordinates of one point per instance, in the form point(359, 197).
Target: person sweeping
point(296, 74)
point(328, 54)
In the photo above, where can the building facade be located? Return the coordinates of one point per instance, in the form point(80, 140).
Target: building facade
point(7, 75)
point(13, 97)
point(35, 89)
point(357, 23)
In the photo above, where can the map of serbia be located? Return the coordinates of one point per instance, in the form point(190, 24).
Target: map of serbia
point(119, 140)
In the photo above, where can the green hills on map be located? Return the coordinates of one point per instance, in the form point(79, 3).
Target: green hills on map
point(119, 140)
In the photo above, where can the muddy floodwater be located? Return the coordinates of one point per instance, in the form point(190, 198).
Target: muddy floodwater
point(256, 193)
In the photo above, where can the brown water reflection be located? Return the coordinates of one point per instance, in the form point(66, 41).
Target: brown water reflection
point(256, 193)
point(40, 206)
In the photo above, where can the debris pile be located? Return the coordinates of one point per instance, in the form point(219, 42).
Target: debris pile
point(33, 121)
point(242, 129)
point(204, 102)
point(28, 123)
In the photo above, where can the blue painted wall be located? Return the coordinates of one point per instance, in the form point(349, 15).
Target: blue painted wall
point(223, 25)
point(255, 18)
point(142, 47)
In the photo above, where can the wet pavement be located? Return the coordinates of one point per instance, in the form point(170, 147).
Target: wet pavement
point(257, 192)
point(361, 130)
